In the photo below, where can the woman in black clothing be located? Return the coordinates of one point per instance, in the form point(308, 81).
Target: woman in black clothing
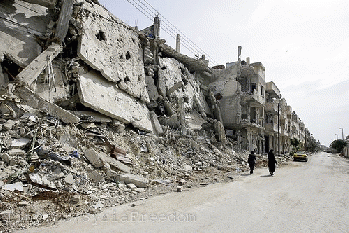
point(271, 162)
point(251, 161)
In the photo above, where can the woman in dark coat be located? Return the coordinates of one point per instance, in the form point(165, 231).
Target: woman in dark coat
point(271, 162)
point(251, 161)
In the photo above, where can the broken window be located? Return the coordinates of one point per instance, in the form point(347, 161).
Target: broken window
point(253, 87)
point(128, 55)
point(101, 35)
point(10, 68)
point(127, 79)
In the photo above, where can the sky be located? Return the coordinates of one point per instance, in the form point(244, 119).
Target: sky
point(303, 45)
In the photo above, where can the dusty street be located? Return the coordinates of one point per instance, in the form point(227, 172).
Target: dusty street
point(301, 197)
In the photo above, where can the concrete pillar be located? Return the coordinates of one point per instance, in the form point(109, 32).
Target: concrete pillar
point(178, 43)
point(156, 27)
point(239, 53)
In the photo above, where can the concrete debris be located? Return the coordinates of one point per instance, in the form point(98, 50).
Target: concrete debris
point(13, 187)
point(94, 113)
point(138, 181)
point(94, 158)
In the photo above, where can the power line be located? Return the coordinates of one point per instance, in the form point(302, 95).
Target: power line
point(150, 12)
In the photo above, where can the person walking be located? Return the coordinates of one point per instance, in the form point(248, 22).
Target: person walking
point(271, 162)
point(251, 161)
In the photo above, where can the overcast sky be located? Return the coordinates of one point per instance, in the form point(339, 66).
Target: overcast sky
point(303, 44)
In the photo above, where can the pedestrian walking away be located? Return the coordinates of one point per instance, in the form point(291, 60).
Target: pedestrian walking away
point(271, 162)
point(251, 161)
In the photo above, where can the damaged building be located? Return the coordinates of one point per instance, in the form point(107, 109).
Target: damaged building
point(96, 113)
point(254, 113)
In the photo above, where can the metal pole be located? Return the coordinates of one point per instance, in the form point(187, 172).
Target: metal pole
point(278, 128)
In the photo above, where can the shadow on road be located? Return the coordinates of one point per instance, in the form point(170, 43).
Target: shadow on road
point(267, 176)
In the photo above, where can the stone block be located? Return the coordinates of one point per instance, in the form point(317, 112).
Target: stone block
point(95, 176)
point(69, 179)
point(12, 187)
point(111, 47)
point(99, 94)
point(9, 124)
point(139, 181)
point(94, 158)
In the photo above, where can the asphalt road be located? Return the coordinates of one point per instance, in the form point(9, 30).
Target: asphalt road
point(301, 197)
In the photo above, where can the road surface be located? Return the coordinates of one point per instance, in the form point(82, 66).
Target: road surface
point(301, 197)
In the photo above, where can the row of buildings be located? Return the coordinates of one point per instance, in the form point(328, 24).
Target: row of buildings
point(254, 112)
point(84, 59)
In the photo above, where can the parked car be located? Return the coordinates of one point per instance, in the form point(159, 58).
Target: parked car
point(300, 155)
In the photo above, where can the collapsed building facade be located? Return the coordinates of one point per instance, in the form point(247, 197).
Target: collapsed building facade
point(75, 55)
point(73, 77)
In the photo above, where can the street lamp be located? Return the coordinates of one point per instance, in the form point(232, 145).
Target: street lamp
point(342, 133)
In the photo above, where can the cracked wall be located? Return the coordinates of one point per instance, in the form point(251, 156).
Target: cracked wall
point(113, 48)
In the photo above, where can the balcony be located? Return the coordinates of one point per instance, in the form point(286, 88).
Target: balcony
point(271, 127)
point(254, 98)
point(272, 90)
point(271, 107)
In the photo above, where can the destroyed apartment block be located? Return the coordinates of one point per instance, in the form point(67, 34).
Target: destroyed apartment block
point(253, 112)
point(95, 113)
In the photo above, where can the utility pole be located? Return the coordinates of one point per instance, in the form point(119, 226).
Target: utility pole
point(279, 127)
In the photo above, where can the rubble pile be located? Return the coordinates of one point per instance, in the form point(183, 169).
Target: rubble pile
point(95, 113)
point(51, 170)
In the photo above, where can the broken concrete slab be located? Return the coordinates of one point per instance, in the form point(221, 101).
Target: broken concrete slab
point(16, 152)
point(114, 164)
point(156, 124)
point(99, 94)
point(37, 102)
point(34, 69)
point(169, 74)
point(111, 47)
point(63, 20)
point(18, 143)
point(139, 181)
point(20, 23)
point(94, 158)
point(46, 3)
